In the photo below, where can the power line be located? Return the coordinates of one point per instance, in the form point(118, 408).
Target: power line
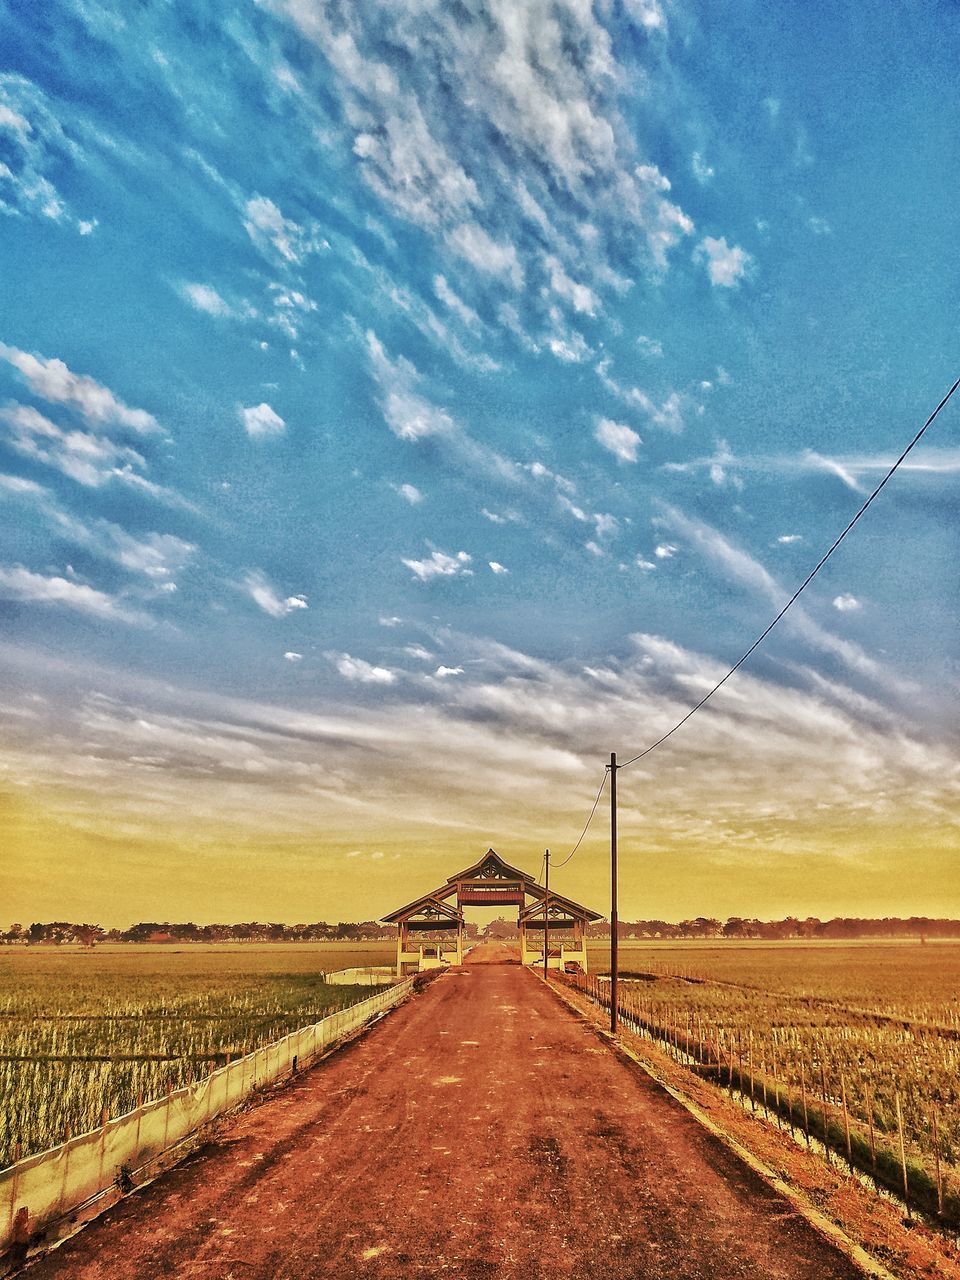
point(586, 825)
point(802, 587)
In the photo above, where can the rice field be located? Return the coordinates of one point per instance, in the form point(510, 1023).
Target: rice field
point(857, 1045)
point(83, 1032)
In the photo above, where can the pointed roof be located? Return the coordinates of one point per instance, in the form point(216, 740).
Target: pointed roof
point(491, 867)
point(429, 904)
point(557, 902)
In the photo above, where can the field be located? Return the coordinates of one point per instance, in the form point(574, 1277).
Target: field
point(83, 1031)
point(855, 1044)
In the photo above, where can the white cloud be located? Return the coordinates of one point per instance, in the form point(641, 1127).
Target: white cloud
point(646, 565)
point(594, 548)
point(650, 347)
point(846, 603)
point(96, 404)
point(203, 297)
point(646, 13)
point(726, 264)
point(841, 471)
point(621, 440)
point(443, 673)
point(497, 132)
point(489, 256)
point(497, 567)
point(390, 622)
point(419, 652)
point(701, 170)
point(456, 304)
point(407, 413)
point(580, 297)
point(36, 146)
point(360, 672)
point(787, 539)
point(291, 656)
point(263, 593)
point(668, 416)
point(18, 583)
point(269, 229)
point(89, 459)
point(440, 565)
point(260, 421)
point(665, 551)
point(409, 492)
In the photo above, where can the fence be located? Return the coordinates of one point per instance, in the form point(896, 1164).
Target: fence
point(811, 1105)
point(44, 1189)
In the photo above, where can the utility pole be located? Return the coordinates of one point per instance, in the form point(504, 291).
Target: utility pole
point(614, 928)
point(546, 915)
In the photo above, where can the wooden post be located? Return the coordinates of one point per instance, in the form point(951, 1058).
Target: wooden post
point(903, 1153)
point(753, 1104)
point(873, 1141)
point(823, 1095)
point(936, 1157)
point(846, 1119)
point(803, 1098)
point(776, 1081)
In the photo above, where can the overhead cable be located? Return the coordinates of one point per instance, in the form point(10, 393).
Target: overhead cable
point(802, 587)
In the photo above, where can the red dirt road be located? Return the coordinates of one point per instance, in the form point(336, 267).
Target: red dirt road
point(481, 1130)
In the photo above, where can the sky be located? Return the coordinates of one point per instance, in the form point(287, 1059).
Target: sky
point(404, 405)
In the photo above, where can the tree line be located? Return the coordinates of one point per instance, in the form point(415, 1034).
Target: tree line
point(840, 927)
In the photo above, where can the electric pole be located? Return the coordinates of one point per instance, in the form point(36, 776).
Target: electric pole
point(546, 916)
point(614, 927)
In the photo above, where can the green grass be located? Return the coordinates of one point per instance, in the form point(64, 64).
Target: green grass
point(81, 1030)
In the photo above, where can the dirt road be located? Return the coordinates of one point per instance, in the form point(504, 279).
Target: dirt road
point(480, 1131)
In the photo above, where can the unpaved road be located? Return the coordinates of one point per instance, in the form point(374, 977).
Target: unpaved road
point(479, 1131)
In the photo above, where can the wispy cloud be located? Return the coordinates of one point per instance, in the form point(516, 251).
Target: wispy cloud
point(203, 297)
point(555, 201)
point(18, 583)
point(737, 564)
point(260, 589)
point(35, 146)
point(52, 381)
point(275, 234)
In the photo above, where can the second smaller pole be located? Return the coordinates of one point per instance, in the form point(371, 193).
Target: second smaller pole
point(546, 915)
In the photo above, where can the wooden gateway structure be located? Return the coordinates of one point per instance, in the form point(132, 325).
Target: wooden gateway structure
point(437, 918)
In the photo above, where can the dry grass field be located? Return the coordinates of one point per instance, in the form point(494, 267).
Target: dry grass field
point(862, 1038)
point(83, 1031)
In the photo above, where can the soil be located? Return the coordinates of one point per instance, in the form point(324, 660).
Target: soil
point(481, 1130)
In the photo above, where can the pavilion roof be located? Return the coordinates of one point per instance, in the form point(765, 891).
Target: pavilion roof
point(491, 868)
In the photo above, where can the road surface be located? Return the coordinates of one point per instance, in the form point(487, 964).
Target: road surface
point(480, 1131)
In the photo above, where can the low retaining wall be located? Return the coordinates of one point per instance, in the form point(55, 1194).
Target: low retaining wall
point(44, 1189)
point(371, 976)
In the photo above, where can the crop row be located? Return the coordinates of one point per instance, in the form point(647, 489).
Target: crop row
point(884, 1095)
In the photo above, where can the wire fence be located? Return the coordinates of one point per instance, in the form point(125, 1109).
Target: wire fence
point(894, 1132)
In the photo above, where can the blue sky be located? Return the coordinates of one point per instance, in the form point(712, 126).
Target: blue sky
point(404, 405)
